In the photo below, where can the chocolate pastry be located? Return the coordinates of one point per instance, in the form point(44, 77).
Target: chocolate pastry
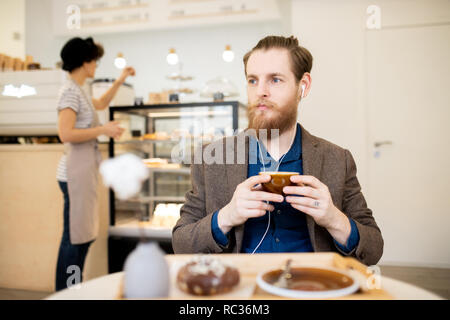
point(206, 276)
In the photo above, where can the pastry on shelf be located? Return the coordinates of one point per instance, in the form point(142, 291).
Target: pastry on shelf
point(156, 136)
point(180, 133)
point(179, 76)
point(166, 215)
point(155, 162)
point(208, 137)
point(172, 166)
point(160, 163)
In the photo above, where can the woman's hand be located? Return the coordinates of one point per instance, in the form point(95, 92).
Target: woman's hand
point(104, 101)
point(112, 129)
point(126, 72)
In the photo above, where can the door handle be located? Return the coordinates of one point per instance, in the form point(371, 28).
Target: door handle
point(382, 143)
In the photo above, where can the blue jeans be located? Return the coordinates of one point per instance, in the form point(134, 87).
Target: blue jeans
point(69, 254)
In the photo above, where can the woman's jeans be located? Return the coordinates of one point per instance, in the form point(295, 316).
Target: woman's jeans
point(71, 257)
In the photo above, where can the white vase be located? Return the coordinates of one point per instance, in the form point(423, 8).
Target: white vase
point(146, 272)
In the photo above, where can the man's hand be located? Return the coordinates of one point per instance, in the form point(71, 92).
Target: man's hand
point(317, 203)
point(247, 202)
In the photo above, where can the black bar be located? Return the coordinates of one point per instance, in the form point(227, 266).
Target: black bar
point(235, 116)
point(174, 105)
point(112, 204)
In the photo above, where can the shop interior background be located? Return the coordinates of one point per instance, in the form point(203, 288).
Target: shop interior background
point(370, 86)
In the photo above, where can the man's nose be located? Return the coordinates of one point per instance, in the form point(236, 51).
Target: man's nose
point(263, 89)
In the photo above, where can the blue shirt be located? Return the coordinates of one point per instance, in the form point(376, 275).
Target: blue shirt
point(288, 231)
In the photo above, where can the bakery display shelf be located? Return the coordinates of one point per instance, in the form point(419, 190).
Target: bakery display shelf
point(192, 141)
point(185, 110)
point(156, 134)
point(149, 199)
point(148, 141)
point(137, 229)
point(173, 182)
point(183, 170)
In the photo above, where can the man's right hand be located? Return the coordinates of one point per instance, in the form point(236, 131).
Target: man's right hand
point(247, 202)
point(112, 129)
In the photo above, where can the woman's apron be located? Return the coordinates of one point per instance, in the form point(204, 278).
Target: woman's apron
point(83, 160)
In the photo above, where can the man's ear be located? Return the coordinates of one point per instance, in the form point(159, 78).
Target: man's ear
point(305, 83)
point(301, 90)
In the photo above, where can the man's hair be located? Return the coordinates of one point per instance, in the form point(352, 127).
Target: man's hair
point(78, 51)
point(301, 58)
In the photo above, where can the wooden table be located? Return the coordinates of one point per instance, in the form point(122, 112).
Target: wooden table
point(249, 266)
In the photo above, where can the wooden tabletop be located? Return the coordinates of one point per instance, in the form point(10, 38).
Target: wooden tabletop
point(110, 286)
point(250, 266)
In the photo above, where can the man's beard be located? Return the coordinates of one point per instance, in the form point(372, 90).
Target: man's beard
point(282, 118)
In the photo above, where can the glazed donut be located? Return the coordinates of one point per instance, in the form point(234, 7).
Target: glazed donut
point(206, 276)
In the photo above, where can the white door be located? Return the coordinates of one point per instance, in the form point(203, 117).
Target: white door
point(408, 87)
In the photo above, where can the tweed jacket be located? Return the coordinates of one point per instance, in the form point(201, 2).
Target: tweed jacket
point(213, 186)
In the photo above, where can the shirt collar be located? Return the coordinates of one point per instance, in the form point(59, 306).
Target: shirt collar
point(295, 151)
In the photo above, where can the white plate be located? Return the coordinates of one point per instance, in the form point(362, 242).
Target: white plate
point(309, 294)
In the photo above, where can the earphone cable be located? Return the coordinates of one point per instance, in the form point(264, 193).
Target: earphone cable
point(267, 202)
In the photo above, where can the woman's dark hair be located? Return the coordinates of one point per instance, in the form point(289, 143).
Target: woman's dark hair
point(77, 51)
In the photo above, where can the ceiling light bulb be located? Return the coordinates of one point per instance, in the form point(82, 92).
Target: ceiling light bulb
point(172, 57)
point(228, 54)
point(120, 61)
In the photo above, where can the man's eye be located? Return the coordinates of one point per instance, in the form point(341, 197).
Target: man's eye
point(276, 80)
point(251, 81)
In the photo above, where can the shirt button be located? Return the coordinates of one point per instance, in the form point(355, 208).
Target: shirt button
point(277, 240)
point(278, 211)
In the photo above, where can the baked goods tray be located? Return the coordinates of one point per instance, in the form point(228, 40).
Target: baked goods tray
point(250, 266)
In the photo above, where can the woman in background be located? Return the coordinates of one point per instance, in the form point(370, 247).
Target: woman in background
point(78, 129)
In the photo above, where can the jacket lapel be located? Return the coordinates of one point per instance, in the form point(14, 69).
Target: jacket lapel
point(312, 166)
point(236, 173)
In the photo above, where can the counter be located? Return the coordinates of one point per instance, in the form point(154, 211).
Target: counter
point(31, 218)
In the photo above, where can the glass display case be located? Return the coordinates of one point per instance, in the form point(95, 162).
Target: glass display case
point(164, 137)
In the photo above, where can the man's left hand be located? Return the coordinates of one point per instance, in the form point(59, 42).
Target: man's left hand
point(317, 203)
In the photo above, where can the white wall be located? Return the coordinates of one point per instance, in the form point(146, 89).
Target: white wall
point(199, 48)
point(337, 107)
point(12, 21)
point(334, 32)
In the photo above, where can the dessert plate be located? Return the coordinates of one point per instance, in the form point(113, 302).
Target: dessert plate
point(309, 283)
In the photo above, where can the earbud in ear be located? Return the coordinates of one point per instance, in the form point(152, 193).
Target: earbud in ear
point(303, 90)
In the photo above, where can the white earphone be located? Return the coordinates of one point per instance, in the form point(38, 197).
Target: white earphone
point(303, 90)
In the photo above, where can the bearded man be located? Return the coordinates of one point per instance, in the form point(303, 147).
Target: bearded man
point(324, 209)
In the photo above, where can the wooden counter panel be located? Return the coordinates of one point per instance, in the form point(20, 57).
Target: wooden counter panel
point(31, 218)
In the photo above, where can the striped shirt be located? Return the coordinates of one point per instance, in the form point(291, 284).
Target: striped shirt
point(71, 96)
